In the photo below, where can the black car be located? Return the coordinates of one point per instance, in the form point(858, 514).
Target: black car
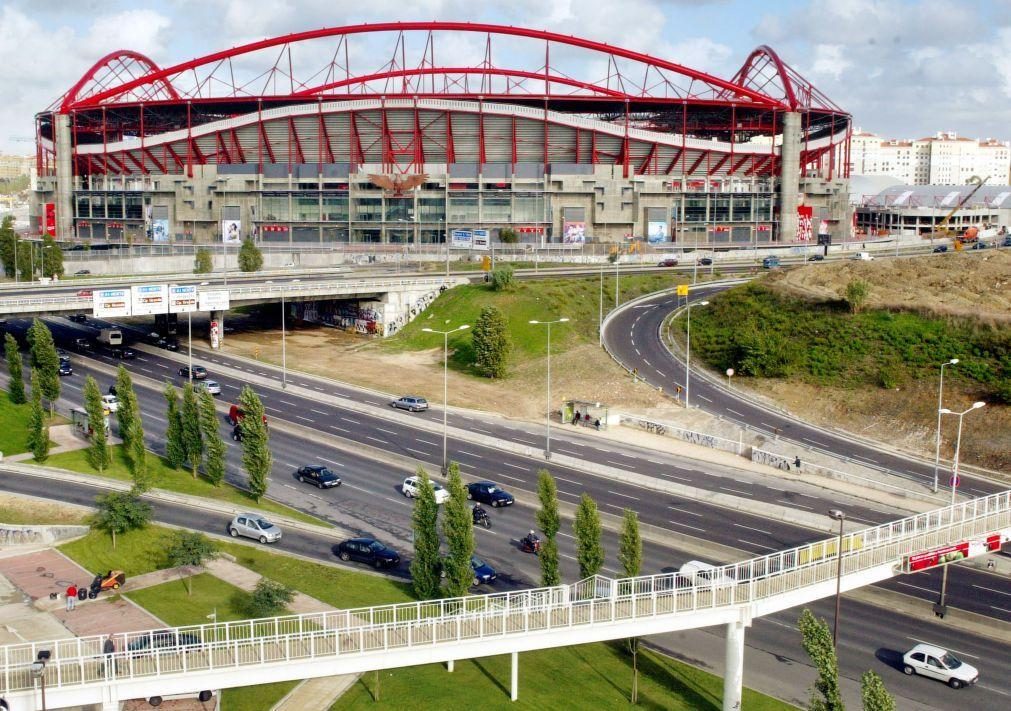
point(79, 318)
point(82, 272)
point(488, 493)
point(816, 258)
point(668, 262)
point(979, 245)
point(706, 261)
point(319, 475)
point(170, 344)
point(163, 639)
point(940, 249)
point(368, 550)
point(199, 372)
point(65, 368)
point(83, 345)
point(123, 353)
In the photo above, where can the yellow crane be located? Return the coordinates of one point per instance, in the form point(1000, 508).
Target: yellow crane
point(942, 229)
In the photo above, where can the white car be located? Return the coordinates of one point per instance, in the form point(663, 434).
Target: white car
point(937, 663)
point(411, 489)
point(211, 386)
point(110, 403)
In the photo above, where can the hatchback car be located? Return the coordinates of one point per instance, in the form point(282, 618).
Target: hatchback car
point(211, 386)
point(82, 272)
point(368, 550)
point(928, 660)
point(170, 344)
point(199, 372)
point(816, 258)
point(110, 403)
point(65, 368)
point(254, 526)
point(412, 487)
point(319, 475)
point(411, 402)
point(483, 573)
point(940, 249)
point(979, 245)
point(489, 493)
point(668, 262)
point(706, 261)
point(163, 639)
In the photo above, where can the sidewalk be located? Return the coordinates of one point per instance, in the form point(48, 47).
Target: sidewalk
point(65, 440)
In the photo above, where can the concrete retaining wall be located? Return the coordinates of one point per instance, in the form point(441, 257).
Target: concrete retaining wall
point(12, 536)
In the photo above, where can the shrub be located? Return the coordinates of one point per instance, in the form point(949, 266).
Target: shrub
point(203, 264)
point(502, 278)
point(508, 236)
point(250, 257)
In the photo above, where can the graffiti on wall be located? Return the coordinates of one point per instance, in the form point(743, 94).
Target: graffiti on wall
point(366, 318)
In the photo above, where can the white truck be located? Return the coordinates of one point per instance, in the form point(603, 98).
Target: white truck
point(110, 337)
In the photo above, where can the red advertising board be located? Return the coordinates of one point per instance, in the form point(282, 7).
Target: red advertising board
point(950, 554)
point(805, 215)
point(50, 219)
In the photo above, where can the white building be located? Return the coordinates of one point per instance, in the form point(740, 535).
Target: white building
point(944, 159)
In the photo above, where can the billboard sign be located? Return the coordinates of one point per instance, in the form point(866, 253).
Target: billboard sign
point(182, 299)
point(481, 239)
point(212, 301)
point(50, 219)
point(149, 299)
point(109, 303)
point(953, 553)
point(573, 232)
point(805, 218)
point(231, 231)
point(159, 231)
point(461, 239)
point(656, 232)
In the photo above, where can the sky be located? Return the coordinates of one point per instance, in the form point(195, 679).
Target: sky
point(903, 68)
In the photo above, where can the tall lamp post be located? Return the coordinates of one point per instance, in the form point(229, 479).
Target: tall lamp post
point(840, 517)
point(547, 436)
point(284, 343)
point(688, 344)
point(939, 609)
point(445, 388)
point(38, 671)
point(937, 439)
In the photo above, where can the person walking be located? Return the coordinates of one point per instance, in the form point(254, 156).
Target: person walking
point(109, 649)
point(71, 597)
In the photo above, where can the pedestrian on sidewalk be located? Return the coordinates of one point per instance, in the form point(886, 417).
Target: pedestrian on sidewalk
point(71, 597)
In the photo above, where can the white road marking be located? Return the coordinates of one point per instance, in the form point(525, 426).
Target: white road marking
point(637, 352)
point(694, 528)
point(373, 402)
point(766, 424)
point(330, 461)
point(289, 403)
point(290, 486)
point(304, 419)
point(514, 466)
point(392, 432)
point(567, 481)
point(471, 454)
point(510, 478)
point(735, 412)
point(759, 545)
point(353, 422)
point(915, 587)
point(647, 362)
point(686, 511)
point(866, 459)
point(339, 429)
point(525, 441)
point(999, 592)
point(627, 496)
point(425, 441)
point(736, 491)
point(318, 412)
point(566, 493)
point(376, 439)
point(467, 466)
point(811, 441)
point(146, 370)
point(478, 429)
point(703, 397)
point(741, 525)
point(794, 505)
point(416, 451)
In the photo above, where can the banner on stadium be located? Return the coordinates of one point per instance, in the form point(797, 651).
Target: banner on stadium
point(159, 231)
point(574, 232)
point(461, 239)
point(805, 217)
point(50, 221)
point(481, 239)
point(656, 232)
point(231, 231)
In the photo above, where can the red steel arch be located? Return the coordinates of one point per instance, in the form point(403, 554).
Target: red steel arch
point(117, 64)
point(699, 85)
point(765, 72)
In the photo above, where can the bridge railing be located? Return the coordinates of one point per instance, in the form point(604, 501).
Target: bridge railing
point(595, 601)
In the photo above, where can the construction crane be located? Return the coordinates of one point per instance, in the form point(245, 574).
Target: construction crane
point(942, 229)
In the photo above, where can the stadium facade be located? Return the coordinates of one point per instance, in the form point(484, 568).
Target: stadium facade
point(559, 138)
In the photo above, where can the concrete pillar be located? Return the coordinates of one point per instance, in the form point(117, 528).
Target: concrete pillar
point(449, 666)
point(514, 685)
point(216, 329)
point(789, 178)
point(64, 177)
point(733, 677)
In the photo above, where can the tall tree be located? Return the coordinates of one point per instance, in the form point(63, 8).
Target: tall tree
point(250, 256)
point(214, 446)
point(119, 512)
point(136, 459)
point(38, 431)
point(630, 557)
point(458, 530)
point(256, 457)
point(175, 450)
point(43, 357)
point(588, 531)
point(128, 411)
point(193, 439)
point(8, 240)
point(190, 549)
point(549, 521)
point(551, 574)
point(15, 368)
point(873, 693)
point(98, 452)
point(52, 257)
point(817, 641)
point(426, 566)
point(491, 343)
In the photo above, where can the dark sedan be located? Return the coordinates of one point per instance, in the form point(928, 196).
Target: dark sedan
point(199, 372)
point(65, 368)
point(368, 550)
point(488, 493)
point(163, 639)
point(706, 261)
point(124, 353)
point(940, 249)
point(319, 475)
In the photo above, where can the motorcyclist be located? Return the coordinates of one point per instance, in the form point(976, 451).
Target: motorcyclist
point(479, 513)
point(531, 540)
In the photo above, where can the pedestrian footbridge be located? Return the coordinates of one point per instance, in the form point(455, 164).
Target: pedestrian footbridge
point(214, 656)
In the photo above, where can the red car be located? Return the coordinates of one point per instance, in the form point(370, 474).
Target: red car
point(85, 292)
point(668, 262)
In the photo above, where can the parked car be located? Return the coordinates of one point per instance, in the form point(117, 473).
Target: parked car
point(65, 368)
point(411, 489)
point(940, 249)
point(211, 386)
point(368, 550)
point(1006, 242)
point(979, 245)
point(82, 272)
point(163, 639)
point(668, 262)
point(928, 660)
point(488, 493)
point(411, 402)
point(123, 353)
point(199, 372)
point(110, 403)
point(319, 475)
point(254, 526)
point(816, 258)
point(79, 318)
point(706, 261)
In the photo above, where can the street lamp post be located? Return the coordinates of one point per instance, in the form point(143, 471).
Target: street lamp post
point(688, 344)
point(547, 436)
point(445, 388)
point(939, 608)
point(38, 671)
point(937, 439)
point(840, 517)
point(600, 317)
point(189, 348)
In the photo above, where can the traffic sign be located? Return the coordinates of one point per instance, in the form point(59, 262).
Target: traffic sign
point(954, 481)
point(682, 290)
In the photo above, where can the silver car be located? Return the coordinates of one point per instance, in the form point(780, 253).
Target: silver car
point(211, 386)
point(254, 526)
point(411, 402)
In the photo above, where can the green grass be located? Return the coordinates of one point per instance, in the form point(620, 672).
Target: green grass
point(592, 676)
point(171, 603)
point(177, 480)
point(136, 552)
point(15, 419)
point(25, 515)
point(255, 698)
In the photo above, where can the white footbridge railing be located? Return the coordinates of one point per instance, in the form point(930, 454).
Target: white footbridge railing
point(322, 644)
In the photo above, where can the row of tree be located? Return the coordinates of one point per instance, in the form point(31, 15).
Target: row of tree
point(28, 259)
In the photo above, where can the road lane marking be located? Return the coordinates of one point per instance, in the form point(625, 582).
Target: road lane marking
point(392, 432)
point(289, 403)
point(794, 505)
point(318, 412)
point(759, 545)
point(750, 528)
point(694, 528)
point(685, 511)
point(303, 418)
point(915, 587)
point(471, 454)
point(575, 496)
point(339, 429)
point(510, 478)
point(416, 451)
point(627, 496)
point(736, 491)
point(376, 439)
point(330, 461)
point(353, 422)
point(514, 466)
point(567, 481)
point(999, 592)
point(735, 412)
point(703, 397)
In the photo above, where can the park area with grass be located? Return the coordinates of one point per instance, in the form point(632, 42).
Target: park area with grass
point(15, 420)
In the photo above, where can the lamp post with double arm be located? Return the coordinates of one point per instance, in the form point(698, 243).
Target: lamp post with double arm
point(547, 436)
point(937, 438)
point(445, 388)
point(840, 517)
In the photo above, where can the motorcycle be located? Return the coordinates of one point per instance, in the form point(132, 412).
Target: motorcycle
point(528, 546)
point(482, 519)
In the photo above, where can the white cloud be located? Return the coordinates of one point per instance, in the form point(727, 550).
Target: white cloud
point(829, 60)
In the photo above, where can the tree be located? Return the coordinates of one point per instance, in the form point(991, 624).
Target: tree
point(16, 383)
point(52, 257)
point(630, 557)
point(256, 457)
point(507, 235)
point(502, 278)
point(426, 566)
point(119, 512)
point(874, 694)
point(203, 263)
point(549, 522)
point(193, 440)
point(43, 358)
point(38, 431)
point(175, 450)
point(131, 430)
point(214, 446)
point(550, 573)
point(817, 641)
point(857, 292)
point(491, 343)
point(190, 549)
point(28, 259)
point(8, 245)
point(98, 452)
point(250, 256)
point(136, 458)
point(269, 598)
point(587, 528)
point(458, 530)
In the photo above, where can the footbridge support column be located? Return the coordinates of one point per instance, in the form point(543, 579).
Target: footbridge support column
point(216, 329)
point(789, 177)
point(733, 677)
point(514, 685)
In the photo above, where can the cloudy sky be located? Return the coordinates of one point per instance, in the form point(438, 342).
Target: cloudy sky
point(904, 68)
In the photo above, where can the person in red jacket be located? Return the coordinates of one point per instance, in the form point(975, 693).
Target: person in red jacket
point(71, 597)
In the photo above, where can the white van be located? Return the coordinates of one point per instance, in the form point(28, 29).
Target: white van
point(863, 257)
point(704, 575)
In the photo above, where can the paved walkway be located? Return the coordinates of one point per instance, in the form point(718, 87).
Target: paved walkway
point(64, 439)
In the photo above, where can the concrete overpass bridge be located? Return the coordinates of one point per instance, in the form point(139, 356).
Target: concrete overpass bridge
point(231, 654)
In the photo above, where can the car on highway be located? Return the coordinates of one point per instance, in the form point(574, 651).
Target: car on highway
point(162, 639)
point(211, 386)
point(110, 403)
point(816, 258)
point(368, 550)
point(940, 249)
point(83, 345)
point(82, 272)
point(123, 353)
point(65, 368)
point(483, 573)
point(979, 245)
point(1006, 242)
point(486, 492)
point(254, 526)
point(85, 293)
point(79, 318)
point(706, 261)
point(62, 354)
point(169, 344)
point(705, 575)
point(412, 487)
point(770, 262)
point(153, 338)
point(413, 403)
point(936, 663)
point(319, 475)
point(668, 262)
point(199, 372)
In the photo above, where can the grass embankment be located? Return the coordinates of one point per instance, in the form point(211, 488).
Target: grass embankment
point(177, 480)
point(23, 511)
point(15, 420)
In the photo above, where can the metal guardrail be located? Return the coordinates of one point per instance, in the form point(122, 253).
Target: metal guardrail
point(596, 601)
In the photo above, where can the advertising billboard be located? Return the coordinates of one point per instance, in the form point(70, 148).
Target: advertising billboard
point(182, 299)
point(109, 303)
point(461, 239)
point(212, 301)
point(50, 219)
point(805, 217)
point(149, 299)
point(231, 231)
point(159, 231)
point(574, 232)
point(656, 232)
point(481, 239)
